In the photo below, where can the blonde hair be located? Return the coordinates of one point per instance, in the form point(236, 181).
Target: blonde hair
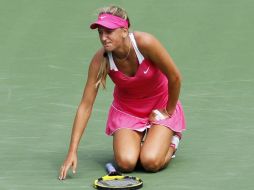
point(102, 74)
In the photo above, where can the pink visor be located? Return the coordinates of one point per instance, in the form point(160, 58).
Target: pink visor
point(109, 21)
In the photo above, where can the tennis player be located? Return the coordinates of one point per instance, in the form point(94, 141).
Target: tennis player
point(146, 117)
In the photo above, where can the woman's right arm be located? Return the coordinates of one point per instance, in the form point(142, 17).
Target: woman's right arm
point(83, 114)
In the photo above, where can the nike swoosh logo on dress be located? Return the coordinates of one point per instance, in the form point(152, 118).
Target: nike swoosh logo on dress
point(145, 72)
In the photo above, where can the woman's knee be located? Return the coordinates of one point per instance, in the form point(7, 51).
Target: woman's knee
point(150, 162)
point(126, 154)
point(126, 163)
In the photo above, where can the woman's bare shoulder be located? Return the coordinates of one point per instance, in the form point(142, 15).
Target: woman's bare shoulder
point(143, 38)
point(99, 55)
point(145, 42)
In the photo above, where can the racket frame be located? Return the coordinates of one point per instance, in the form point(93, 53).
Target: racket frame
point(115, 175)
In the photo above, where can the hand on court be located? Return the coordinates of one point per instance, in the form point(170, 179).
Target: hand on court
point(70, 161)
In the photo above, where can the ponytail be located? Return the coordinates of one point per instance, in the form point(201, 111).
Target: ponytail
point(102, 74)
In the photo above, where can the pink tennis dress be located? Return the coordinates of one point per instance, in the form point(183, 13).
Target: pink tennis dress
point(135, 97)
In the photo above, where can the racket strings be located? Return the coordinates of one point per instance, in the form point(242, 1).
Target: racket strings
point(124, 182)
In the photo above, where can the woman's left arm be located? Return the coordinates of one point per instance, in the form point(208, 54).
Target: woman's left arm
point(153, 50)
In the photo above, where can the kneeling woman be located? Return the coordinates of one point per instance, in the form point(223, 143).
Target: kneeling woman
point(146, 118)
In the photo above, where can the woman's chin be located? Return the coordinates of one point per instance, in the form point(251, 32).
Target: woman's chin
point(108, 49)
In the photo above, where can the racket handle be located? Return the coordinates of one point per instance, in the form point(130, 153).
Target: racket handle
point(110, 168)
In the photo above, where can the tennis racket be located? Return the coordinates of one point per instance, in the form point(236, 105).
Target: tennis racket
point(115, 180)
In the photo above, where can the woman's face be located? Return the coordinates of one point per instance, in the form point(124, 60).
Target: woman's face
point(111, 39)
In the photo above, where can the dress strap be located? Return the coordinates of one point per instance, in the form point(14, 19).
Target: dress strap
point(134, 44)
point(139, 55)
point(111, 62)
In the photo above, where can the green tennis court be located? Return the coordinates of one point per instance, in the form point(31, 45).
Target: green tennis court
point(45, 50)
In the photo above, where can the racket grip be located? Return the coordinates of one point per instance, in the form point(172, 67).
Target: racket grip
point(110, 168)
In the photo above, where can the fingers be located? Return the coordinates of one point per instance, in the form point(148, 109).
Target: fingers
point(63, 172)
point(152, 116)
point(71, 160)
point(74, 166)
